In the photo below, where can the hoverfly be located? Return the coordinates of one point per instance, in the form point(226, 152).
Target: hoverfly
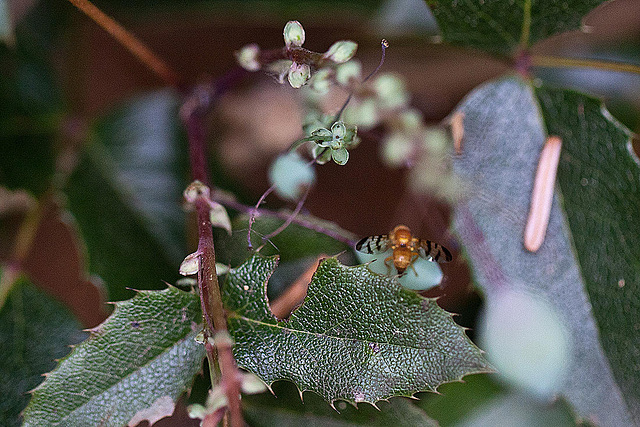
point(406, 248)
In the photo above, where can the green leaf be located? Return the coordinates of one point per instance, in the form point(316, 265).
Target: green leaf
point(34, 330)
point(6, 26)
point(599, 179)
point(456, 401)
point(494, 26)
point(504, 135)
point(142, 355)
point(287, 409)
point(358, 336)
point(30, 111)
point(125, 194)
point(521, 410)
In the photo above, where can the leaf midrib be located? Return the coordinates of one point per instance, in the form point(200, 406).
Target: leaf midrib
point(315, 334)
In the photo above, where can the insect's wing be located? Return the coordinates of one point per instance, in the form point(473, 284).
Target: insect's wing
point(373, 244)
point(433, 251)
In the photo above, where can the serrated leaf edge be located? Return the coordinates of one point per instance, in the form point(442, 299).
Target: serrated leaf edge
point(489, 369)
point(94, 334)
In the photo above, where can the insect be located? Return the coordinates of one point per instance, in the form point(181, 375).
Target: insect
point(406, 248)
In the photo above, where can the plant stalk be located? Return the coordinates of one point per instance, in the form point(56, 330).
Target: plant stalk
point(129, 41)
point(210, 296)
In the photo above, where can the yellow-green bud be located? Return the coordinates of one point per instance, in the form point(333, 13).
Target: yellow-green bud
point(293, 34)
point(341, 51)
point(247, 57)
point(298, 75)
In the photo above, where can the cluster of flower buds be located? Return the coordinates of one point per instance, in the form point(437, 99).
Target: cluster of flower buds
point(296, 63)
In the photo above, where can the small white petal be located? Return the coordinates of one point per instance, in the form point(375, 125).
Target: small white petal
point(293, 34)
point(190, 265)
point(219, 217)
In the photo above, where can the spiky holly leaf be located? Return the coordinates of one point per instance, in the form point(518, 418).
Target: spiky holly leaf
point(494, 26)
point(285, 409)
point(591, 241)
point(358, 336)
point(142, 356)
point(35, 329)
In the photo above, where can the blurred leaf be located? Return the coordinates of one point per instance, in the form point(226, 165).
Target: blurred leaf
point(287, 409)
point(521, 411)
point(358, 336)
point(143, 354)
point(6, 26)
point(494, 26)
point(504, 134)
point(30, 111)
point(35, 329)
point(456, 401)
point(599, 179)
point(126, 195)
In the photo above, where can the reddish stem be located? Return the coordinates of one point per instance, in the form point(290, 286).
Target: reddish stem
point(210, 296)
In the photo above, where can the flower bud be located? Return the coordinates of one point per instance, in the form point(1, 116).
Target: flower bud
point(348, 71)
point(391, 91)
point(320, 81)
point(247, 57)
point(396, 149)
point(341, 51)
point(194, 190)
point(293, 34)
point(298, 75)
point(291, 175)
point(191, 264)
point(219, 217)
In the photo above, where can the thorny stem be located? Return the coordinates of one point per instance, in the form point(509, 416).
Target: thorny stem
point(192, 113)
point(210, 297)
point(129, 41)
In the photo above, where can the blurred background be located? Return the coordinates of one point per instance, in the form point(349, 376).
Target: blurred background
point(60, 74)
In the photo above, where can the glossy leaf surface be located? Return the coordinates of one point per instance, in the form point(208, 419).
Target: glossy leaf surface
point(143, 353)
point(358, 336)
point(498, 26)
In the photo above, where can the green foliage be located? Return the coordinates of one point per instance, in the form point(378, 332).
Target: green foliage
point(358, 336)
point(125, 195)
point(130, 362)
point(285, 408)
point(34, 331)
point(599, 180)
point(504, 133)
point(30, 106)
point(494, 26)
